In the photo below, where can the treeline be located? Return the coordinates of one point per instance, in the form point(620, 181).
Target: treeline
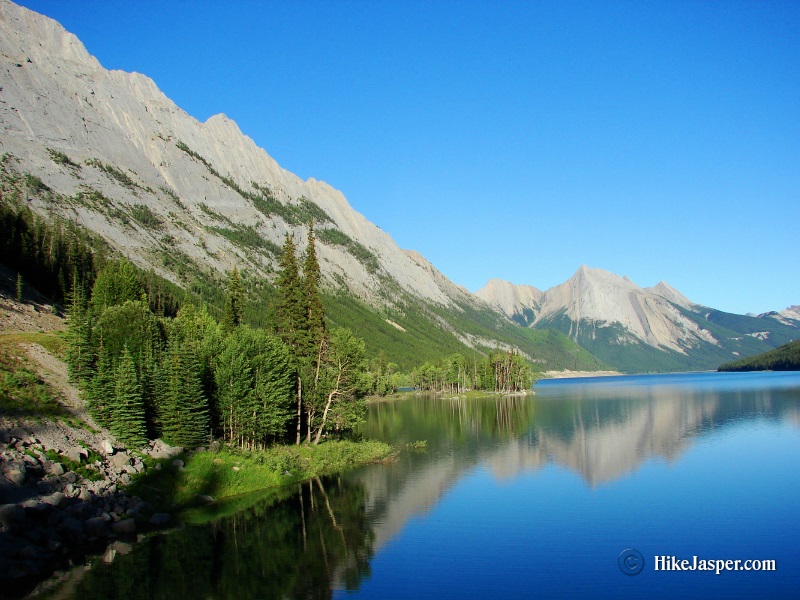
point(499, 371)
point(46, 253)
point(191, 378)
point(785, 358)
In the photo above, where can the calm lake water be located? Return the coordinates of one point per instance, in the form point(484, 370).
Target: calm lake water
point(516, 498)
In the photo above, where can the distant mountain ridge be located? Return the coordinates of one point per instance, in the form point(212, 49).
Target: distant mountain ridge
point(633, 328)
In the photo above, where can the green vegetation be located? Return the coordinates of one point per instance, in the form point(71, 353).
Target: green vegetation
point(334, 237)
point(22, 391)
point(118, 175)
point(785, 358)
point(84, 468)
point(62, 159)
point(233, 472)
point(263, 200)
point(187, 379)
point(146, 217)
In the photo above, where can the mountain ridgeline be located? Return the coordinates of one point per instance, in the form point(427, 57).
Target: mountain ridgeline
point(105, 159)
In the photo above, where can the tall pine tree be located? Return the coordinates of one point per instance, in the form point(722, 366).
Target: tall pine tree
point(234, 303)
point(127, 410)
point(313, 346)
point(290, 312)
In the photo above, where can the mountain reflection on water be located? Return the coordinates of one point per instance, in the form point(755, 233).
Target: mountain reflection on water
point(321, 536)
point(600, 428)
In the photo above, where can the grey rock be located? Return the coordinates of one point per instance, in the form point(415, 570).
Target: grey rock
point(106, 447)
point(11, 513)
point(14, 472)
point(77, 453)
point(70, 477)
point(71, 525)
point(178, 464)
point(120, 460)
point(54, 499)
point(205, 499)
point(56, 469)
point(95, 527)
point(125, 527)
point(31, 460)
point(160, 519)
point(163, 450)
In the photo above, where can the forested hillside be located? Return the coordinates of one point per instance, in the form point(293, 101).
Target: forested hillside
point(785, 358)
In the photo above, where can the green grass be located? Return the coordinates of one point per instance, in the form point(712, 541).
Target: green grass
point(84, 468)
point(230, 473)
point(22, 391)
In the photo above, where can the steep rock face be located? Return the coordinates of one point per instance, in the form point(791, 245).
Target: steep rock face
point(56, 97)
point(519, 302)
point(594, 298)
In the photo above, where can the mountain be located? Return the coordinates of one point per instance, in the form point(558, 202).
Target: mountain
point(191, 200)
point(639, 329)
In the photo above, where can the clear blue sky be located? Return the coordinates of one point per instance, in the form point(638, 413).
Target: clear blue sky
point(657, 140)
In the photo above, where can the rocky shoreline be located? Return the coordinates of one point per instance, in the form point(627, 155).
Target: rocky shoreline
point(62, 497)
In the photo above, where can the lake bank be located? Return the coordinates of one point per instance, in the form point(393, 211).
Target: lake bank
point(578, 374)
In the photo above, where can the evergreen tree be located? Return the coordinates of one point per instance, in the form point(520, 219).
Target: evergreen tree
point(234, 303)
point(313, 340)
point(290, 308)
point(80, 355)
point(101, 390)
point(290, 312)
point(116, 283)
point(127, 412)
point(315, 315)
point(183, 413)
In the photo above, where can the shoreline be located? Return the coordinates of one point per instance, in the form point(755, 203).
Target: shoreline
point(578, 374)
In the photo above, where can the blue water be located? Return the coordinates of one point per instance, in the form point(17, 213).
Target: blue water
point(698, 464)
point(525, 497)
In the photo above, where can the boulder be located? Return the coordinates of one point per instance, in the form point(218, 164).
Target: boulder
point(124, 527)
point(160, 519)
point(77, 453)
point(54, 499)
point(56, 469)
point(95, 527)
point(120, 460)
point(14, 472)
point(11, 513)
point(178, 464)
point(163, 450)
point(106, 448)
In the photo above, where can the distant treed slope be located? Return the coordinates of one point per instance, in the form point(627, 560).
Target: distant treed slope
point(785, 358)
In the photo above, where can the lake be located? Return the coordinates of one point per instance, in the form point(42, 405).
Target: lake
point(532, 496)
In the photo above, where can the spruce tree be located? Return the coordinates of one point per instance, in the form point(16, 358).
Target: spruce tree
point(313, 342)
point(290, 310)
point(315, 315)
point(101, 390)
point(234, 303)
point(127, 411)
point(184, 411)
point(79, 347)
